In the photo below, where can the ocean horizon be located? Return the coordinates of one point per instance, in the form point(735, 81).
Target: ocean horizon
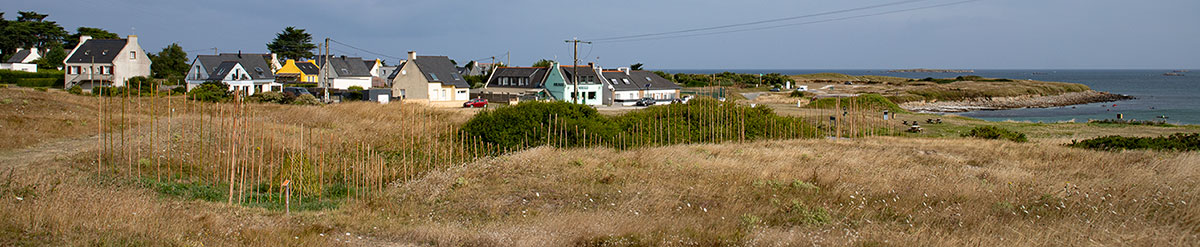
point(1158, 97)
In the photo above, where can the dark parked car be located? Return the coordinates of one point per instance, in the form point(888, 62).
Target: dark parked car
point(645, 102)
point(476, 103)
point(775, 89)
point(295, 91)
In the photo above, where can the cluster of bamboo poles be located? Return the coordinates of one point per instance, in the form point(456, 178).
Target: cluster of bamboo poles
point(249, 152)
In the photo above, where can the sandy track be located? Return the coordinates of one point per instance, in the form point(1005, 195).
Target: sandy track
point(46, 151)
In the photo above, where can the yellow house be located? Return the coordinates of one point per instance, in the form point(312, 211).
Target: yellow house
point(298, 72)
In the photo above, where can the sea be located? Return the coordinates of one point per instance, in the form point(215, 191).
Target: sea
point(1174, 99)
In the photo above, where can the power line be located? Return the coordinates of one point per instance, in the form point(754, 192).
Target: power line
point(799, 24)
point(364, 50)
point(760, 22)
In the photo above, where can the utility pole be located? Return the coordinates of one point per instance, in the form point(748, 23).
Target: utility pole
point(324, 73)
point(575, 68)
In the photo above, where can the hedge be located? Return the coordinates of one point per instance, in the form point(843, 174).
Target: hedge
point(15, 77)
point(40, 82)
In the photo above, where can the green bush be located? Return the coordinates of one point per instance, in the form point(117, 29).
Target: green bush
point(210, 91)
point(354, 93)
point(996, 133)
point(864, 101)
point(268, 97)
point(797, 94)
point(40, 89)
point(76, 90)
point(306, 99)
point(15, 77)
point(1174, 142)
point(38, 82)
point(571, 125)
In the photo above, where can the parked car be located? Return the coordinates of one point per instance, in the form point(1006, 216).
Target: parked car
point(775, 89)
point(481, 102)
point(645, 102)
point(293, 92)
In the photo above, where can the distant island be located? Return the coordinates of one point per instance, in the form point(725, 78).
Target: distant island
point(931, 71)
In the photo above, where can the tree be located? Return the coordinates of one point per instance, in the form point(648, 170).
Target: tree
point(53, 59)
point(170, 62)
point(543, 63)
point(96, 33)
point(29, 30)
point(636, 66)
point(292, 43)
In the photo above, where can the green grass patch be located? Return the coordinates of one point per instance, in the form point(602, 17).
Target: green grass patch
point(996, 133)
point(260, 195)
point(1174, 142)
point(864, 101)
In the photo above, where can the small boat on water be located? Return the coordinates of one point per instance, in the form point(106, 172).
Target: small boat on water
point(1181, 71)
point(1172, 74)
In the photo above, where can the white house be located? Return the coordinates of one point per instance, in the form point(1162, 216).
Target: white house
point(105, 62)
point(429, 79)
point(22, 60)
point(250, 73)
point(346, 72)
point(627, 87)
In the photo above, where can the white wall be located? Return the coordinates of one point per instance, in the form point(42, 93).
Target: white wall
point(27, 67)
point(347, 82)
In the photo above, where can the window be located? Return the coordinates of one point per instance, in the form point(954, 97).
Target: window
point(456, 77)
point(626, 81)
point(433, 76)
point(648, 79)
point(591, 95)
point(132, 55)
point(614, 81)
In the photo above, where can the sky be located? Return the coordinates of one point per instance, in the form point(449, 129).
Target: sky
point(985, 34)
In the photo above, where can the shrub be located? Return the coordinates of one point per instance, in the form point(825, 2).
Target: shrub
point(268, 97)
point(210, 91)
point(179, 90)
point(354, 93)
point(1175, 142)
point(40, 89)
point(76, 90)
point(797, 94)
point(702, 119)
point(995, 133)
point(306, 99)
point(15, 77)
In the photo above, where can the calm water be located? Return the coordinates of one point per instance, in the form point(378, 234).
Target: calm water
point(1177, 97)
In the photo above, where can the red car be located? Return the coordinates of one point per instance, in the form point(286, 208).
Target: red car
point(476, 103)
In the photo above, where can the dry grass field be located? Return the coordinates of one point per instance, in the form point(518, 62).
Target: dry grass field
point(929, 189)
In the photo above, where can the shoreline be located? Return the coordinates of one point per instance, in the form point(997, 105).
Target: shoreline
point(1018, 102)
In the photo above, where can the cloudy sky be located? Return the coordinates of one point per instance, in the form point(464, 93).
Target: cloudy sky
point(987, 34)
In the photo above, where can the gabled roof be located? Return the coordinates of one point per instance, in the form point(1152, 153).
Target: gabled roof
point(19, 57)
point(440, 69)
point(252, 63)
point(346, 66)
point(102, 50)
point(584, 70)
point(637, 80)
point(222, 70)
point(536, 76)
point(369, 63)
point(308, 68)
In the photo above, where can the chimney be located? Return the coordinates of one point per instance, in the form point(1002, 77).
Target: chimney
point(33, 50)
point(239, 53)
point(133, 39)
point(590, 64)
point(624, 69)
point(412, 55)
point(84, 38)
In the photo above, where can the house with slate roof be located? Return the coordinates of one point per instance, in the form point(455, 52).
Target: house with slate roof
point(250, 73)
point(105, 62)
point(514, 84)
point(298, 72)
point(627, 86)
point(429, 79)
point(560, 84)
point(22, 60)
point(345, 72)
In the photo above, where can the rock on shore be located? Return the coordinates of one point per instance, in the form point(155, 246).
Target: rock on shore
point(1001, 103)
